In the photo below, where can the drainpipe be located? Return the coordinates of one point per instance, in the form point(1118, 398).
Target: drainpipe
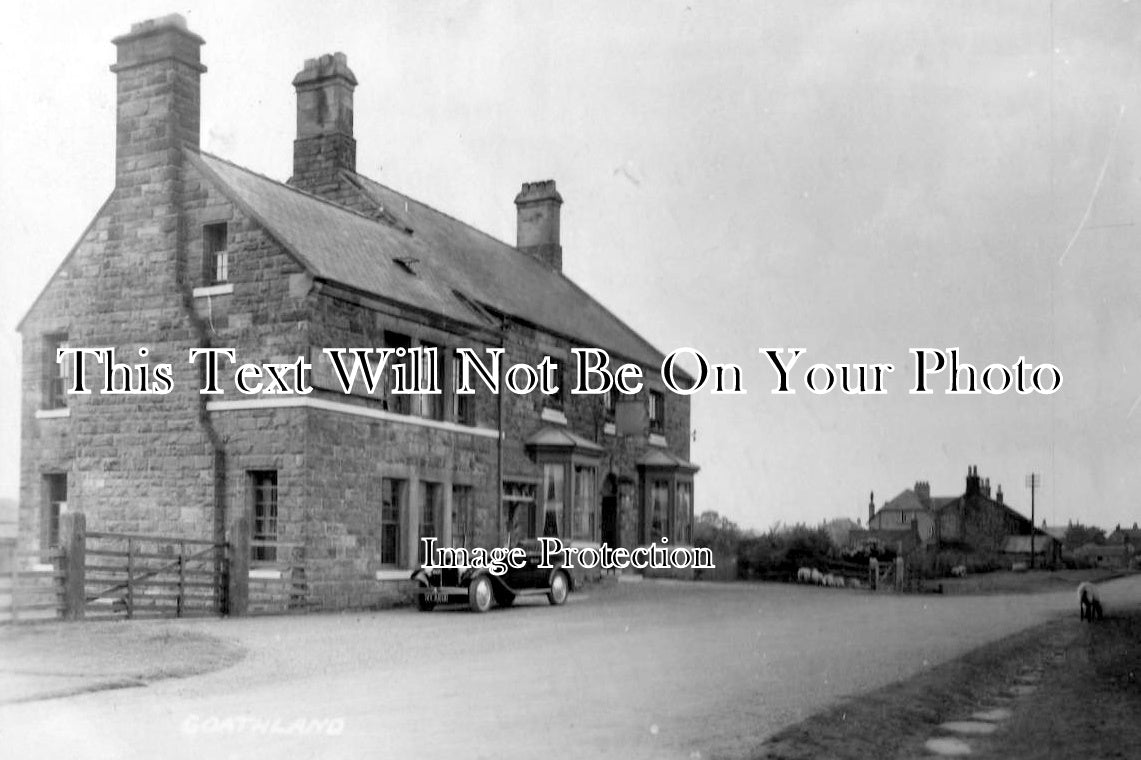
point(501, 536)
point(201, 331)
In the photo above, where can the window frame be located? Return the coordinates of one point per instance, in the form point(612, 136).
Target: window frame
point(55, 376)
point(554, 498)
point(657, 411)
point(395, 519)
point(462, 403)
point(53, 508)
point(585, 502)
point(660, 514)
point(216, 252)
point(431, 505)
point(460, 516)
point(397, 403)
point(264, 527)
point(684, 509)
point(430, 406)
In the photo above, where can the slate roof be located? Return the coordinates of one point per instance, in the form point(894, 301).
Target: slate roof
point(452, 264)
point(908, 501)
point(1119, 535)
point(905, 501)
point(655, 457)
point(975, 498)
point(563, 438)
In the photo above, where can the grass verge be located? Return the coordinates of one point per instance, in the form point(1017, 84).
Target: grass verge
point(59, 659)
point(1087, 703)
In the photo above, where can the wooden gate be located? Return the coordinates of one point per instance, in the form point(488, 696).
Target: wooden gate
point(138, 576)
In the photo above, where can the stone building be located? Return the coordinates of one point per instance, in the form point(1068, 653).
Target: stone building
point(975, 521)
point(910, 505)
point(190, 251)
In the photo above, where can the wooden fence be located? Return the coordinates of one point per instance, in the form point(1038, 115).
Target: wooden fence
point(30, 584)
point(894, 576)
point(103, 576)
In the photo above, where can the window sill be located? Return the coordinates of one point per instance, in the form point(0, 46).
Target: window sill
point(393, 575)
point(657, 439)
point(52, 414)
point(214, 290)
point(553, 415)
point(265, 573)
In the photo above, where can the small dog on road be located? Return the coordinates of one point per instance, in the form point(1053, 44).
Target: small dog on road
point(1089, 602)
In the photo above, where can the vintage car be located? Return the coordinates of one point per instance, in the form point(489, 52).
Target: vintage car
point(480, 587)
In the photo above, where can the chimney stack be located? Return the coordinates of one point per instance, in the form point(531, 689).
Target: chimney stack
point(157, 70)
point(973, 485)
point(537, 232)
point(923, 492)
point(324, 144)
point(998, 494)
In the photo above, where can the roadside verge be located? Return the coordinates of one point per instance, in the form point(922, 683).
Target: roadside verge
point(1062, 689)
point(48, 661)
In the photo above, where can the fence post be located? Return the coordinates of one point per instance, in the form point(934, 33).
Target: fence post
point(73, 545)
point(14, 570)
point(130, 579)
point(899, 578)
point(238, 568)
point(181, 576)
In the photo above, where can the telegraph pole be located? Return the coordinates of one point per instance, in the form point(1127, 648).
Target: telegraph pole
point(1033, 481)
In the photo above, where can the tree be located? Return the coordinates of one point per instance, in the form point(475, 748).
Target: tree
point(719, 533)
point(1080, 535)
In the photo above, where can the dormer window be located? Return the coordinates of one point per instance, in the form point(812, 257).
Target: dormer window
point(215, 252)
point(407, 263)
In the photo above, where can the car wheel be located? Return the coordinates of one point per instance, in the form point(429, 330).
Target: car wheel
point(422, 602)
point(480, 594)
point(560, 587)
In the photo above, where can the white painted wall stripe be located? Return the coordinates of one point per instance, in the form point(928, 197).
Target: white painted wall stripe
point(304, 402)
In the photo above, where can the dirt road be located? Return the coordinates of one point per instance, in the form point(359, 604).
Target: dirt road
point(654, 669)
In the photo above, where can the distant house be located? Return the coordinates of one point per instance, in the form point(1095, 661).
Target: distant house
point(1125, 536)
point(1103, 555)
point(975, 521)
point(915, 504)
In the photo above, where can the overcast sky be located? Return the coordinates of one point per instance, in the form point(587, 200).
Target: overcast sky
point(856, 179)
